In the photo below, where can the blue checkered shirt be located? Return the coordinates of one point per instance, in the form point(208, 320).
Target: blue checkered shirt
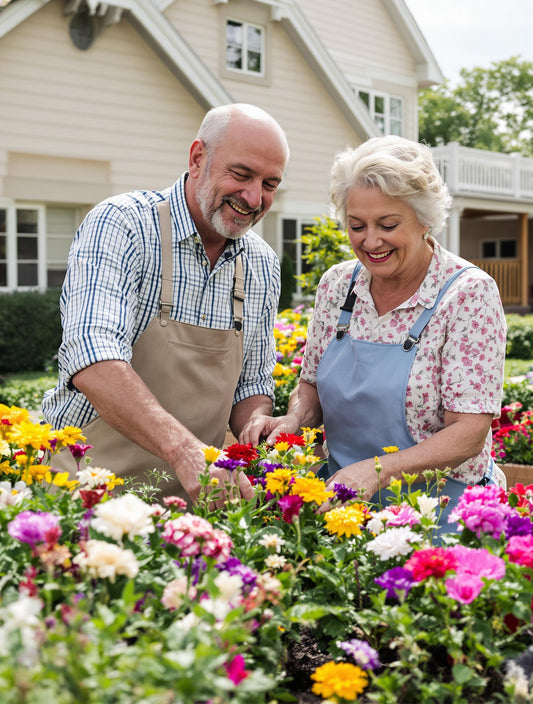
point(112, 287)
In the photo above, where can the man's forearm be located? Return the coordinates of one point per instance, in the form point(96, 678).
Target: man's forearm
point(243, 411)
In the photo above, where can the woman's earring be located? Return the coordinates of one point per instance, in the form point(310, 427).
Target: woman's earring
point(427, 233)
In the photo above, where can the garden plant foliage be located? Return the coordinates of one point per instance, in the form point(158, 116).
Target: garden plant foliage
point(114, 597)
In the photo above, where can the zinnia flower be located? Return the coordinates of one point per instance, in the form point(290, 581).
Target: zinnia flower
point(106, 560)
point(341, 679)
point(433, 562)
point(247, 452)
point(311, 488)
point(278, 481)
point(346, 520)
point(290, 439)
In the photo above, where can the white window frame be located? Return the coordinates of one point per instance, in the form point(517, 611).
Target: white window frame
point(498, 247)
point(301, 222)
point(11, 208)
point(387, 117)
point(244, 48)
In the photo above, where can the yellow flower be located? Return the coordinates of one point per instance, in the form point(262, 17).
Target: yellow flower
point(63, 479)
point(306, 459)
point(281, 446)
point(309, 434)
point(341, 679)
point(390, 449)
point(14, 414)
point(345, 520)
point(70, 435)
point(211, 454)
point(278, 481)
point(214, 481)
point(395, 483)
point(311, 488)
point(28, 434)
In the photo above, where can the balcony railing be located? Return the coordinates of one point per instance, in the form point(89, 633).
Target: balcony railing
point(508, 275)
point(477, 172)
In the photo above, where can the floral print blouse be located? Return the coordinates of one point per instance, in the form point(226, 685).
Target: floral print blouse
point(460, 361)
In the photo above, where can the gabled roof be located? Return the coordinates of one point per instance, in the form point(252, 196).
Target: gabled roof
point(147, 17)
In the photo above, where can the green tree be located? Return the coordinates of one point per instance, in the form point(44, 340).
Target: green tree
point(324, 245)
point(490, 108)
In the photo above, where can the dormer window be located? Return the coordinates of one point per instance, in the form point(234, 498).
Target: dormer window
point(245, 48)
point(386, 111)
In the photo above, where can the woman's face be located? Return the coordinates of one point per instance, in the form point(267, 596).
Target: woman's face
point(386, 235)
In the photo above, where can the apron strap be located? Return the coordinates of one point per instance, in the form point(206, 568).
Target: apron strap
point(416, 331)
point(347, 308)
point(165, 299)
point(238, 294)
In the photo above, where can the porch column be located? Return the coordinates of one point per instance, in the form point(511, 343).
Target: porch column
point(454, 230)
point(524, 257)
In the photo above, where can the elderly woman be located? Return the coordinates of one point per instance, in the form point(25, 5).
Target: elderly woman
point(407, 343)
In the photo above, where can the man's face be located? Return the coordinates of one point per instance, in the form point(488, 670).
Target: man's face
point(236, 179)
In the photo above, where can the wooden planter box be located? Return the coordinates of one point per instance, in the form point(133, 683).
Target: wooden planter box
point(518, 474)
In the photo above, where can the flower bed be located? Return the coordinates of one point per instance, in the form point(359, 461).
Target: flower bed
point(117, 598)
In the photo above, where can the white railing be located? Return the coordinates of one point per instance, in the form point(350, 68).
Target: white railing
point(478, 172)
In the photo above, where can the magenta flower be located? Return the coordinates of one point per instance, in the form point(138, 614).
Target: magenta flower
point(483, 510)
point(290, 506)
point(193, 535)
point(33, 528)
point(403, 515)
point(396, 581)
point(520, 550)
point(235, 669)
point(464, 587)
point(79, 451)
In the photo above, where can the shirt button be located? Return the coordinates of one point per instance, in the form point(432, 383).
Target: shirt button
point(204, 317)
point(204, 263)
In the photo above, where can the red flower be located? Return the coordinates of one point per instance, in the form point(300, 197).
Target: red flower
point(433, 562)
point(91, 497)
point(290, 439)
point(290, 505)
point(247, 452)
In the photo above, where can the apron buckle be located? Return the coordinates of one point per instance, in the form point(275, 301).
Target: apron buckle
point(341, 330)
point(410, 342)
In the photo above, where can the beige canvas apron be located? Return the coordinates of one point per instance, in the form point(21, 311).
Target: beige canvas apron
point(192, 371)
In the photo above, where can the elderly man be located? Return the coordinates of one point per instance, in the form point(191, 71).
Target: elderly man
point(168, 308)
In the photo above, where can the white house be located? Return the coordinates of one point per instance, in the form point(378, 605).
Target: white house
point(99, 98)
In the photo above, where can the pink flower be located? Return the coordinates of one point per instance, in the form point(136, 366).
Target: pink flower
point(520, 550)
point(194, 535)
point(176, 501)
point(403, 515)
point(79, 451)
point(483, 509)
point(32, 528)
point(290, 506)
point(235, 669)
point(464, 588)
point(478, 562)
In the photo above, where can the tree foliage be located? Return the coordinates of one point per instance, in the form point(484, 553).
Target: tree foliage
point(490, 108)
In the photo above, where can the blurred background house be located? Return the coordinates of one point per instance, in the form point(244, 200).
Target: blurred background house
point(100, 98)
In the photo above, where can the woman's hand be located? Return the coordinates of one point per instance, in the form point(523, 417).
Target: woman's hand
point(361, 476)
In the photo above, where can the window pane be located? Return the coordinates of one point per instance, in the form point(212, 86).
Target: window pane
point(55, 278)
point(26, 248)
point(254, 62)
point(254, 36)
point(3, 220)
point(290, 249)
point(289, 230)
point(3, 274)
point(27, 221)
point(379, 104)
point(488, 250)
point(395, 109)
point(306, 266)
point(3, 247)
point(233, 57)
point(27, 274)
point(380, 122)
point(365, 97)
point(508, 249)
point(234, 33)
point(396, 128)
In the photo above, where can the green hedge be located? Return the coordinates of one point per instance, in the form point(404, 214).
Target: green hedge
point(520, 336)
point(30, 330)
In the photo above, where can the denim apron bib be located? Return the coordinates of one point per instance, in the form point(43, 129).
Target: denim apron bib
point(362, 390)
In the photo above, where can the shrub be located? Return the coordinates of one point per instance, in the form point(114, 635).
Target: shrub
point(26, 392)
point(31, 330)
point(519, 336)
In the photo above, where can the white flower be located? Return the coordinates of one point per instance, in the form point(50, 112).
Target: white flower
point(271, 541)
point(175, 591)
point(13, 495)
point(127, 514)
point(92, 477)
point(269, 583)
point(22, 616)
point(230, 587)
point(105, 560)
point(427, 505)
point(393, 542)
point(275, 562)
point(375, 525)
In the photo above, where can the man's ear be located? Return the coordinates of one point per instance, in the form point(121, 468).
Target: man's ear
point(197, 155)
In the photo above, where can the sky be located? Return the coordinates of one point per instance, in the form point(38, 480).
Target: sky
point(471, 33)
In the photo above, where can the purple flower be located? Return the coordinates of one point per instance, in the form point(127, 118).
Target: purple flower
point(234, 566)
point(518, 525)
point(270, 466)
point(32, 528)
point(345, 493)
point(230, 464)
point(395, 581)
point(364, 655)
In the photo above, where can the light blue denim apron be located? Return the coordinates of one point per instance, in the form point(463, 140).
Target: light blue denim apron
point(362, 390)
